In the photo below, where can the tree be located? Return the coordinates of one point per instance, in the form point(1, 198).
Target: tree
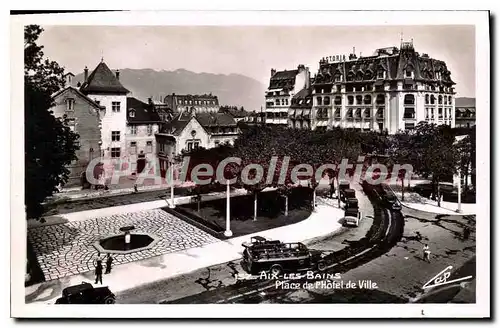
point(402, 151)
point(49, 144)
point(437, 153)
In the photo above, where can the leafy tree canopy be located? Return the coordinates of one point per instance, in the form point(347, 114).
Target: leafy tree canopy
point(49, 145)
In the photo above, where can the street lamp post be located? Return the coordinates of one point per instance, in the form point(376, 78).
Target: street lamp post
point(172, 204)
point(459, 210)
point(228, 232)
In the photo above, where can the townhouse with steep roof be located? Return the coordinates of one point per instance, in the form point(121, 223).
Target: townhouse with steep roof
point(187, 131)
point(104, 87)
point(283, 85)
point(465, 112)
point(83, 116)
point(96, 110)
point(143, 122)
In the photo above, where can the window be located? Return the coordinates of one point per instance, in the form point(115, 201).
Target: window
point(380, 74)
point(192, 145)
point(427, 113)
point(426, 99)
point(409, 126)
point(337, 113)
point(408, 73)
point(381, 126)
point(433, 99)
point(359, 100)
point(115, 106)
point(115, 152)
point(440, 100)
point(350, 100)
point(70, 104)
point(409, 113)
point(133, 129)
point(150, 129)
point(409, 100)
point(380, 99)
point(115, 135)
point(380, 113)
point(367, 113)
point(319, 100)
point(133, 148)
point(149, 146)
point(327, 100)
point(338, 78)
point(440, 113)
point(368, 100)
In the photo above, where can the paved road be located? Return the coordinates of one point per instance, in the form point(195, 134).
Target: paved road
point(67, 249)
point(221, 277)
point(109, 201)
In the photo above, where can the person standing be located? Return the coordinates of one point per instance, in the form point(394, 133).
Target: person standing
point(98, 272)
point(109, 262)
point(466, 232)
point(427, 253)
point(332, 187)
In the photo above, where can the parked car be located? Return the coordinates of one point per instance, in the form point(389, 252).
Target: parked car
point(352, 217)
point(351, 203)
point(85, 293)
point(346, 194)
point(388, 197)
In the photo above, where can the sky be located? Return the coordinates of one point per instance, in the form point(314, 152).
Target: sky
point(252, 51)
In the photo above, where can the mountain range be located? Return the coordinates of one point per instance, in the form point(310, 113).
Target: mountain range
point(233, 89)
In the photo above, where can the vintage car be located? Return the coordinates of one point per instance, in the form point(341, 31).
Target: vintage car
point(281, 257)
point(85, 293)
point(352, 217)
point(351, 203)
point(346, 194)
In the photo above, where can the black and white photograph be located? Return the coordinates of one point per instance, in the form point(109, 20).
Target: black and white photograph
point(316, 160)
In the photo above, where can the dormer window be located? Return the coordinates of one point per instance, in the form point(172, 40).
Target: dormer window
point(131, 113)
point(381, 74)
point(338, 77)
point(408, 73)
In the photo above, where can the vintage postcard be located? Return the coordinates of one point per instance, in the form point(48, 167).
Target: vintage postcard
point(201, 164)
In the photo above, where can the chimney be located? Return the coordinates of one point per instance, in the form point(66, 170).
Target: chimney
point(117, 73)
point(85, 74)
point(273, 71)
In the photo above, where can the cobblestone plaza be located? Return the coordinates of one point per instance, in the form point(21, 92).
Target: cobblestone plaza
point(67, 249)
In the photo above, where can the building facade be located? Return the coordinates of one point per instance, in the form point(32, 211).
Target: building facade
point(188, 131)
point(83, 116)
point(143, 122)
point(391, 90)
point(283, 85)
point(299, 114)
point(198, 103)
point(104, 87)
point(465, 112)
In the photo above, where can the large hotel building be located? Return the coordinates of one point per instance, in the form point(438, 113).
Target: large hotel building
point(391, 90)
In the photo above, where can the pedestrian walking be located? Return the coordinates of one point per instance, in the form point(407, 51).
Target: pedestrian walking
point(109, 262)
point(427, 253)
point(466, 232)
point(98, 272)
point(135, 188)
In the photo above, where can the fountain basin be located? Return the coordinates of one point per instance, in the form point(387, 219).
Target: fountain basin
point(115, 244)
